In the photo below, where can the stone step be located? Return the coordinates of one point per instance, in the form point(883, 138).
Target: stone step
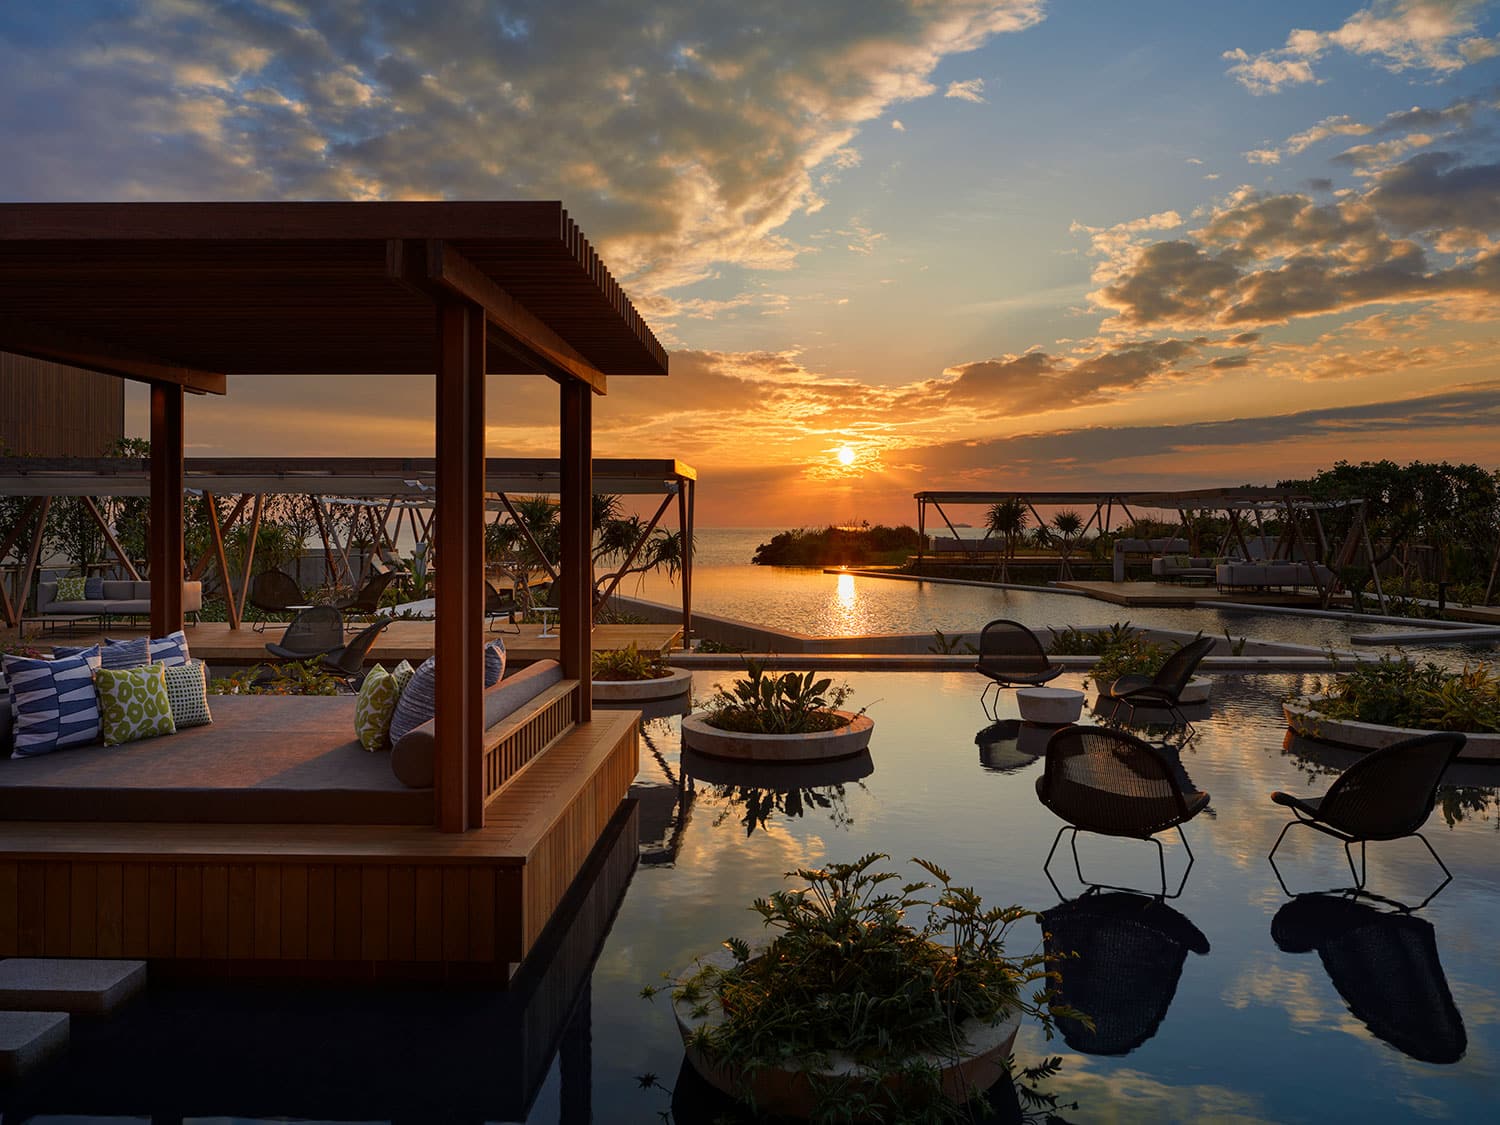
point(54, 984)
point(28, 1039)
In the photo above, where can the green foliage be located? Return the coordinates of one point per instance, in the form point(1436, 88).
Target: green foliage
point(629, 664)
point(1121, 650)
point(708, 644)
point(21, 648)
point(304, 677)
point(946, 645)
point(789, 703)
point(1403, 693)
point(847, 971)
point(1073, 641)
point(838, 546)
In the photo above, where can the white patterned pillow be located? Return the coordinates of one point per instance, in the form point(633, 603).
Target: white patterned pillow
point(53, 702)
point(374, 707)
point(187, 692)
point(403, 673)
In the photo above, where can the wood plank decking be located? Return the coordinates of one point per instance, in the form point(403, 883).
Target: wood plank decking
point(217, 643)
point(323, 899)
point(1179, 594)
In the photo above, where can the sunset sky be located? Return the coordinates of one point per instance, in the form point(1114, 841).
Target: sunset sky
point(1073, 244)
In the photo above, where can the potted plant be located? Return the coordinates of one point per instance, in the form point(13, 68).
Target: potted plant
point(627, 675)
point(787, 717)
point(852, 1011)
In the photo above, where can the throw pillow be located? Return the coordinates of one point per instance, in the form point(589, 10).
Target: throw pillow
point(403, 673)
point(125, 654)
point(171, 649)
point(418, 701)
point(494, 662)
point(135, 703)
point(54, 702)
point(187, 692)
point(374, 707)
point(93, 589)
point(72, 589)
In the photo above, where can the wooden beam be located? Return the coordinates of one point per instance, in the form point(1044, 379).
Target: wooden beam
point(249, 559)
point(530, 539)
point(197, 569)
point(459, 760)
point(22, 523)
point(78, 350)
point(686, 528)
point(216, 534)
point(576, 565)
point(109, 537)
point(521, 333)
point(33, 555)
point(636, 548)
point(164, 554)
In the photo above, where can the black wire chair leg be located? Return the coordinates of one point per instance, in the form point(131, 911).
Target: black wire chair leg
point(1359, 876)
point(1436, 858)
point(1047, 863)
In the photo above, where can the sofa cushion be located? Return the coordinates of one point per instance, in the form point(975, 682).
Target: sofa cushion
point(373, 708)
point(187, 692)
point(55, 702)
point(171, 649)
point(93, 588)
point(131, 653)
point(134, 703)
point(78, 609)
point(118, 590)
point(72, 589)
point(418, 701)
point(412, 754)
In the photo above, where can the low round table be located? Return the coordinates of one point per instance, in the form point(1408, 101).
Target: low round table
point(1049, 706)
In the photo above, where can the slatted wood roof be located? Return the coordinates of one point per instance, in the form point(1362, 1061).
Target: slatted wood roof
point(381, 477)
point(1218, 498)
point(302, 288)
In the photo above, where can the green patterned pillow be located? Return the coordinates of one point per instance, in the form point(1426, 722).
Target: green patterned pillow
point(187, 690)
point(72, 589)
point(403, 673)
point(134, 703)
point(374, 707)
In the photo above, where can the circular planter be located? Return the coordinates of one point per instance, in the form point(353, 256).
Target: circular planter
point(678, 681)
point(1198, 689)
point(1049, 706)
point(787, 1090)
point(1303, 717)
point(817, 746)
point(778, 776)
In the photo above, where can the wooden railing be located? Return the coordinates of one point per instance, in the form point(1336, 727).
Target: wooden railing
point(511, 745)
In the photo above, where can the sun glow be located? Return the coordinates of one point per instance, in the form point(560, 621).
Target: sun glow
point(845, 455)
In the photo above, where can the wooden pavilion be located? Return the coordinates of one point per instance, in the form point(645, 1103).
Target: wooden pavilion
point(181, 296)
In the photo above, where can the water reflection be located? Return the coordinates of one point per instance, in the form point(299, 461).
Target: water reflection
point(1011, 745)
point(1130, 950)
point(757, 792)
point(1384, 963)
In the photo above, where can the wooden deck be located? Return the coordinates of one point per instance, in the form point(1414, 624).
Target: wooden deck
point(217, 643)
point(1179, 594)
point(323, 900)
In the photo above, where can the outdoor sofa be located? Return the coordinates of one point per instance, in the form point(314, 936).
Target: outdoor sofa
point(1183, 568)
point(1269, 575)
point(264, 759)
point(119, 598)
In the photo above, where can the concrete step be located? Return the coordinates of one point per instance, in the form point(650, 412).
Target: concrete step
point(28, 1039)
point(49, 984)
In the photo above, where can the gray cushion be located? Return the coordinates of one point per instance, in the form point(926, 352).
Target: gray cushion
point(118, 590)
point(411, 755)
point(87, 609)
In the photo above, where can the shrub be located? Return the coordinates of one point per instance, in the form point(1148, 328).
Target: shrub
point(303, 677)
point(628, 664)
point(1402, 693)
point(790, 703)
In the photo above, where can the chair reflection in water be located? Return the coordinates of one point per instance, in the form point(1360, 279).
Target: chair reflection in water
point(1120, 956)
point(1384, 963)
point(1112, 783)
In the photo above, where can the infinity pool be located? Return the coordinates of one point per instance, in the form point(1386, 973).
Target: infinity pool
point(1246, 1005)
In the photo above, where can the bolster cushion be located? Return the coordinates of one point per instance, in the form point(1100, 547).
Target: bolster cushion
point(411, 756)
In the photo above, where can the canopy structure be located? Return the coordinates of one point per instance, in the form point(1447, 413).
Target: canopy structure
point(182, 295)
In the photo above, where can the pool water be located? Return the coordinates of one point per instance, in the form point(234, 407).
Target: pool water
point(1353, 1014)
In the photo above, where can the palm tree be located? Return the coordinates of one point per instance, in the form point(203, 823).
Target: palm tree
point(1008, 520)
point(1067, 524)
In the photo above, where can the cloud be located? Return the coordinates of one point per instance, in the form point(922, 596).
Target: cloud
point(1339, 125)
point(969, 90)
point(682, 139)
point(1437, 36)
point(896, 125)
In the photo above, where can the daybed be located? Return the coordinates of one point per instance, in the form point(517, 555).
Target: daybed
point(122, 598)
point(1265, 575)
point(1182, 568)
point(265, 759)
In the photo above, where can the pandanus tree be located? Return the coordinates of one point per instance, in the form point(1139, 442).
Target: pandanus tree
point(1007, 519)
point(1067, 525)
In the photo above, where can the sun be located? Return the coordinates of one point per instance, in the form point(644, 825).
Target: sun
point(845, 455)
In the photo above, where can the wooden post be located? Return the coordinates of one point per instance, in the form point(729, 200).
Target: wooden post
point(921, 532)
point(33, 557)
point(109, 537)
point(197, 569)
point(685, 529)
point(576, 566)
point(458, 768)
point(216, 534)
point(247, 564)
point(165, 550)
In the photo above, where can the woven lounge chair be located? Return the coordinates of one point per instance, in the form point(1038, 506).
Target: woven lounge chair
point(274, 591)
point(1114, 784)
point(367, 598)
point(1124, 956)
point(312, 633)
point(1387, 794)
point(1011, 656)
point(497, 605)
point(1385, 965)
point(1164, 689)
point(348, 662)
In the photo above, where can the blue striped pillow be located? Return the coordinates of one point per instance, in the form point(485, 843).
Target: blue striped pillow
point(494, 662)
point(418, 701)
point(170, 650)
point(115, 655)
point(55, 702)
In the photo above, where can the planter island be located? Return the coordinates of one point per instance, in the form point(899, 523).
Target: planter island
point(1303, 716)
point(810, 746)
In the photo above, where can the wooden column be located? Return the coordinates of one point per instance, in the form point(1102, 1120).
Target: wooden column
point(687, 492)
point(576, 565)
point(165, 549)
point(458, 788)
